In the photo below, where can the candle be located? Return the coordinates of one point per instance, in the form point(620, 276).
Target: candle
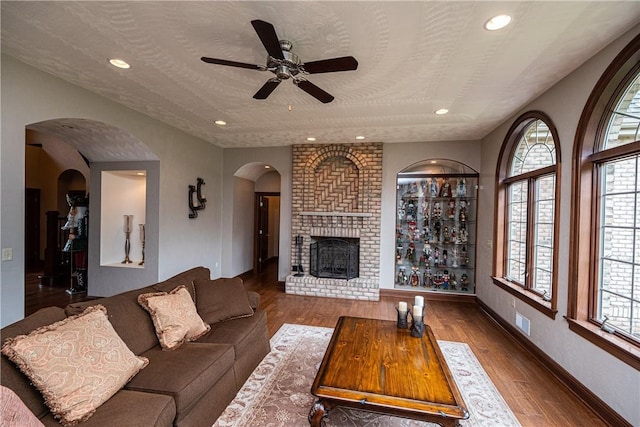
point(402, 307)
point(419, 300)
point(127, 223)
point(417, 311)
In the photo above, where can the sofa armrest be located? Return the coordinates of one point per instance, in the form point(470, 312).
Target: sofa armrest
point(254, 299)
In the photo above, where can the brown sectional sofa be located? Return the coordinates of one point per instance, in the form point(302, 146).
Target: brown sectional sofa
point(189, 386)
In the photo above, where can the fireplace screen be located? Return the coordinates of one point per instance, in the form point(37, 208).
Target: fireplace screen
point(335, 258)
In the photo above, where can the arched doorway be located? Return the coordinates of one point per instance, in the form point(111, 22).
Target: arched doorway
point(59, 155)
point(258, 184)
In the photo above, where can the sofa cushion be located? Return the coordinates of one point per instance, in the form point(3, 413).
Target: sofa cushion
point(129, 319)
point(185, 278)
point(174, 316)
point(242, 333)
point(222, 299)
point(77, 363)
point(9, 372)
point(185, 374)
point(129, 408)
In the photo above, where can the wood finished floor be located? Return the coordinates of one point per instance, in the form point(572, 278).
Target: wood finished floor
point(535, 396)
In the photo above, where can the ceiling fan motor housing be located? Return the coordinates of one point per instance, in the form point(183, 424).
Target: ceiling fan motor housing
point(288, 67)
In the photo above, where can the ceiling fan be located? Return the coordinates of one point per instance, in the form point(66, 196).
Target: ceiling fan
point(286, 64)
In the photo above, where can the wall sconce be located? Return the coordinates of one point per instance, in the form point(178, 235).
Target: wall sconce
point(199, 203)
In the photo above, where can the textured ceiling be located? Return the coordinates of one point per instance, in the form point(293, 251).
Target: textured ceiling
point(414, 58)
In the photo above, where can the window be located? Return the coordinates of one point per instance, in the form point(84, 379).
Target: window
point(604, 299)
point(527, 209)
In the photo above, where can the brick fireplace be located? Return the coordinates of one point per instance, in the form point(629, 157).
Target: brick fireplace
point(336, 193)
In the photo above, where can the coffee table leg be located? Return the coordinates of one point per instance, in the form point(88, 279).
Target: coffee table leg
point(317, 413)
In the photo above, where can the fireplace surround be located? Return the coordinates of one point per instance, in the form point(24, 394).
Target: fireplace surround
point(336, 194)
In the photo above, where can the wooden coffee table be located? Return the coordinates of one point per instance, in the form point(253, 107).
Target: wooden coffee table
point(374, 366)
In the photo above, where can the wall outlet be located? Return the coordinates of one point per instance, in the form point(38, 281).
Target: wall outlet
point(7, 254)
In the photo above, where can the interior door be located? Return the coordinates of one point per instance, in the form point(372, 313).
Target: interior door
point(263, 232)
point(32, 229)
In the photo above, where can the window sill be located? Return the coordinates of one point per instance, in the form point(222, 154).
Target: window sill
point(612, 344)
point(530, 298)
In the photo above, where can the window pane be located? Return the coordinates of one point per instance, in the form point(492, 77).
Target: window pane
point(618, 244)
point(618, 211)
point(619, 235)
point(543, 245)
point(617, 277)
point(542, 280)
point(625, 121)
point(617, 309)
point(619, 176)
point(517, 231)
point(535, 150)
point(635, 320)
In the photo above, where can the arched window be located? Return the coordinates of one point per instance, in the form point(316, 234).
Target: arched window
point(527, 203)
point(604, 299)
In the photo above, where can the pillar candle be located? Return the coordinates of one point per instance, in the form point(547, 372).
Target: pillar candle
point(419, 300)
point(417, 311)
point(402, 306)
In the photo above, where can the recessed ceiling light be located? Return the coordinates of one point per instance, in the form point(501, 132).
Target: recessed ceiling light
point(220, 122)
point(497, 22)
point(359, 137)
point(140, 173)
point(119, 63)
point(442, 111)
point(311, 138)
point(433, 162)
point(267, 167)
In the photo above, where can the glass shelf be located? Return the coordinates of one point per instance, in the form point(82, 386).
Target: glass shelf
point(435, 231)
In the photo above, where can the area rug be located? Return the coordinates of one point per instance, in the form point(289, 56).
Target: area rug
point(277, 394)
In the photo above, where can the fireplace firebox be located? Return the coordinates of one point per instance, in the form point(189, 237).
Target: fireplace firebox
point(336, 258)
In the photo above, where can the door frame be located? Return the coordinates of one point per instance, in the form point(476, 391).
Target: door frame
point(256, 233)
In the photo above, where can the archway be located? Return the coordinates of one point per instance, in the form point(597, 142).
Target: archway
point(256, 203)
point(59, 156)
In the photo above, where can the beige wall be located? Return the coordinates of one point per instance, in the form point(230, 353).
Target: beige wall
point(610, 379)
point(31, 96)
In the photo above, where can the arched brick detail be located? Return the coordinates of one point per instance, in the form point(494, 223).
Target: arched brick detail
point(331, 184)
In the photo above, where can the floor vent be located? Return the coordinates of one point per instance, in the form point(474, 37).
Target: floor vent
point(522, 323)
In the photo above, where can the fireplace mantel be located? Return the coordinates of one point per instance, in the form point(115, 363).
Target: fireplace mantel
point(339, 214)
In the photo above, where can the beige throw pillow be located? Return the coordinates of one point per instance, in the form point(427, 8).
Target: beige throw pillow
point(77, 363)
point(174, 316)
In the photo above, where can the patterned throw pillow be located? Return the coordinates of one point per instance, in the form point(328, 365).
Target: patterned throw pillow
point(174, 316)
point(77, 363)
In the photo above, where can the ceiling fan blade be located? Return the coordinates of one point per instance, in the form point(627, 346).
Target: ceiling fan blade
point(266, 89)
point(345, 63)
point(231, 63)
point(315, 91)
point(268, 37)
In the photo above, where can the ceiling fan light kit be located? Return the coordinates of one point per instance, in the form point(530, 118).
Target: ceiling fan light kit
point(285, 64)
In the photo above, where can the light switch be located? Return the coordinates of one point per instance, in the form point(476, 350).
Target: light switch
point(7, 254)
